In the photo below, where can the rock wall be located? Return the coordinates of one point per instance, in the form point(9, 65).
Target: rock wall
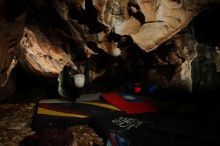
point(172, 67)
point(133, 37)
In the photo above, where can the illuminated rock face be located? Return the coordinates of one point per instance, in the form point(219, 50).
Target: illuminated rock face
point(173, 69)
point(45, 35)
point(39, 55)
point(148, 23)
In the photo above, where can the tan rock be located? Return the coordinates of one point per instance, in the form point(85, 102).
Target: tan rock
point(39, 55)
point(175, 70)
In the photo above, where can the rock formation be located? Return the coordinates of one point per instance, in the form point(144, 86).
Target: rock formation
point(173, 68)
point(45, 35)
point(39, 55)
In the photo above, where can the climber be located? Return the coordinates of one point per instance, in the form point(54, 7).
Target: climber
point(71, 81)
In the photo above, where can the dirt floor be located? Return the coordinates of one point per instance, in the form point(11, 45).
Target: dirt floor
point(16, 119)
point(15, 125)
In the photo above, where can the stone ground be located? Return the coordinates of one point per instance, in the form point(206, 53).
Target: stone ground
point(15, 125)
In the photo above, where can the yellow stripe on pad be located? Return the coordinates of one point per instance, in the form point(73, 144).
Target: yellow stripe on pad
point(101, 105)
point(44, 111)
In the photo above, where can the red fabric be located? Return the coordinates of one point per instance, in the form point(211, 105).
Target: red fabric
point(130, 107)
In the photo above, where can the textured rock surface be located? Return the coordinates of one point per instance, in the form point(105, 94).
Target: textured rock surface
point(39, 55)
point(45, 35)
point(7, 84)
point(15, 123)
point(10, 35)
point(148, 23)
point(85, 136)
point(205, 70)
point(173, 69)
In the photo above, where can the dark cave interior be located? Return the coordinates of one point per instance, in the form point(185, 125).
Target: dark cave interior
point(206, 80)
point(183, 116)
